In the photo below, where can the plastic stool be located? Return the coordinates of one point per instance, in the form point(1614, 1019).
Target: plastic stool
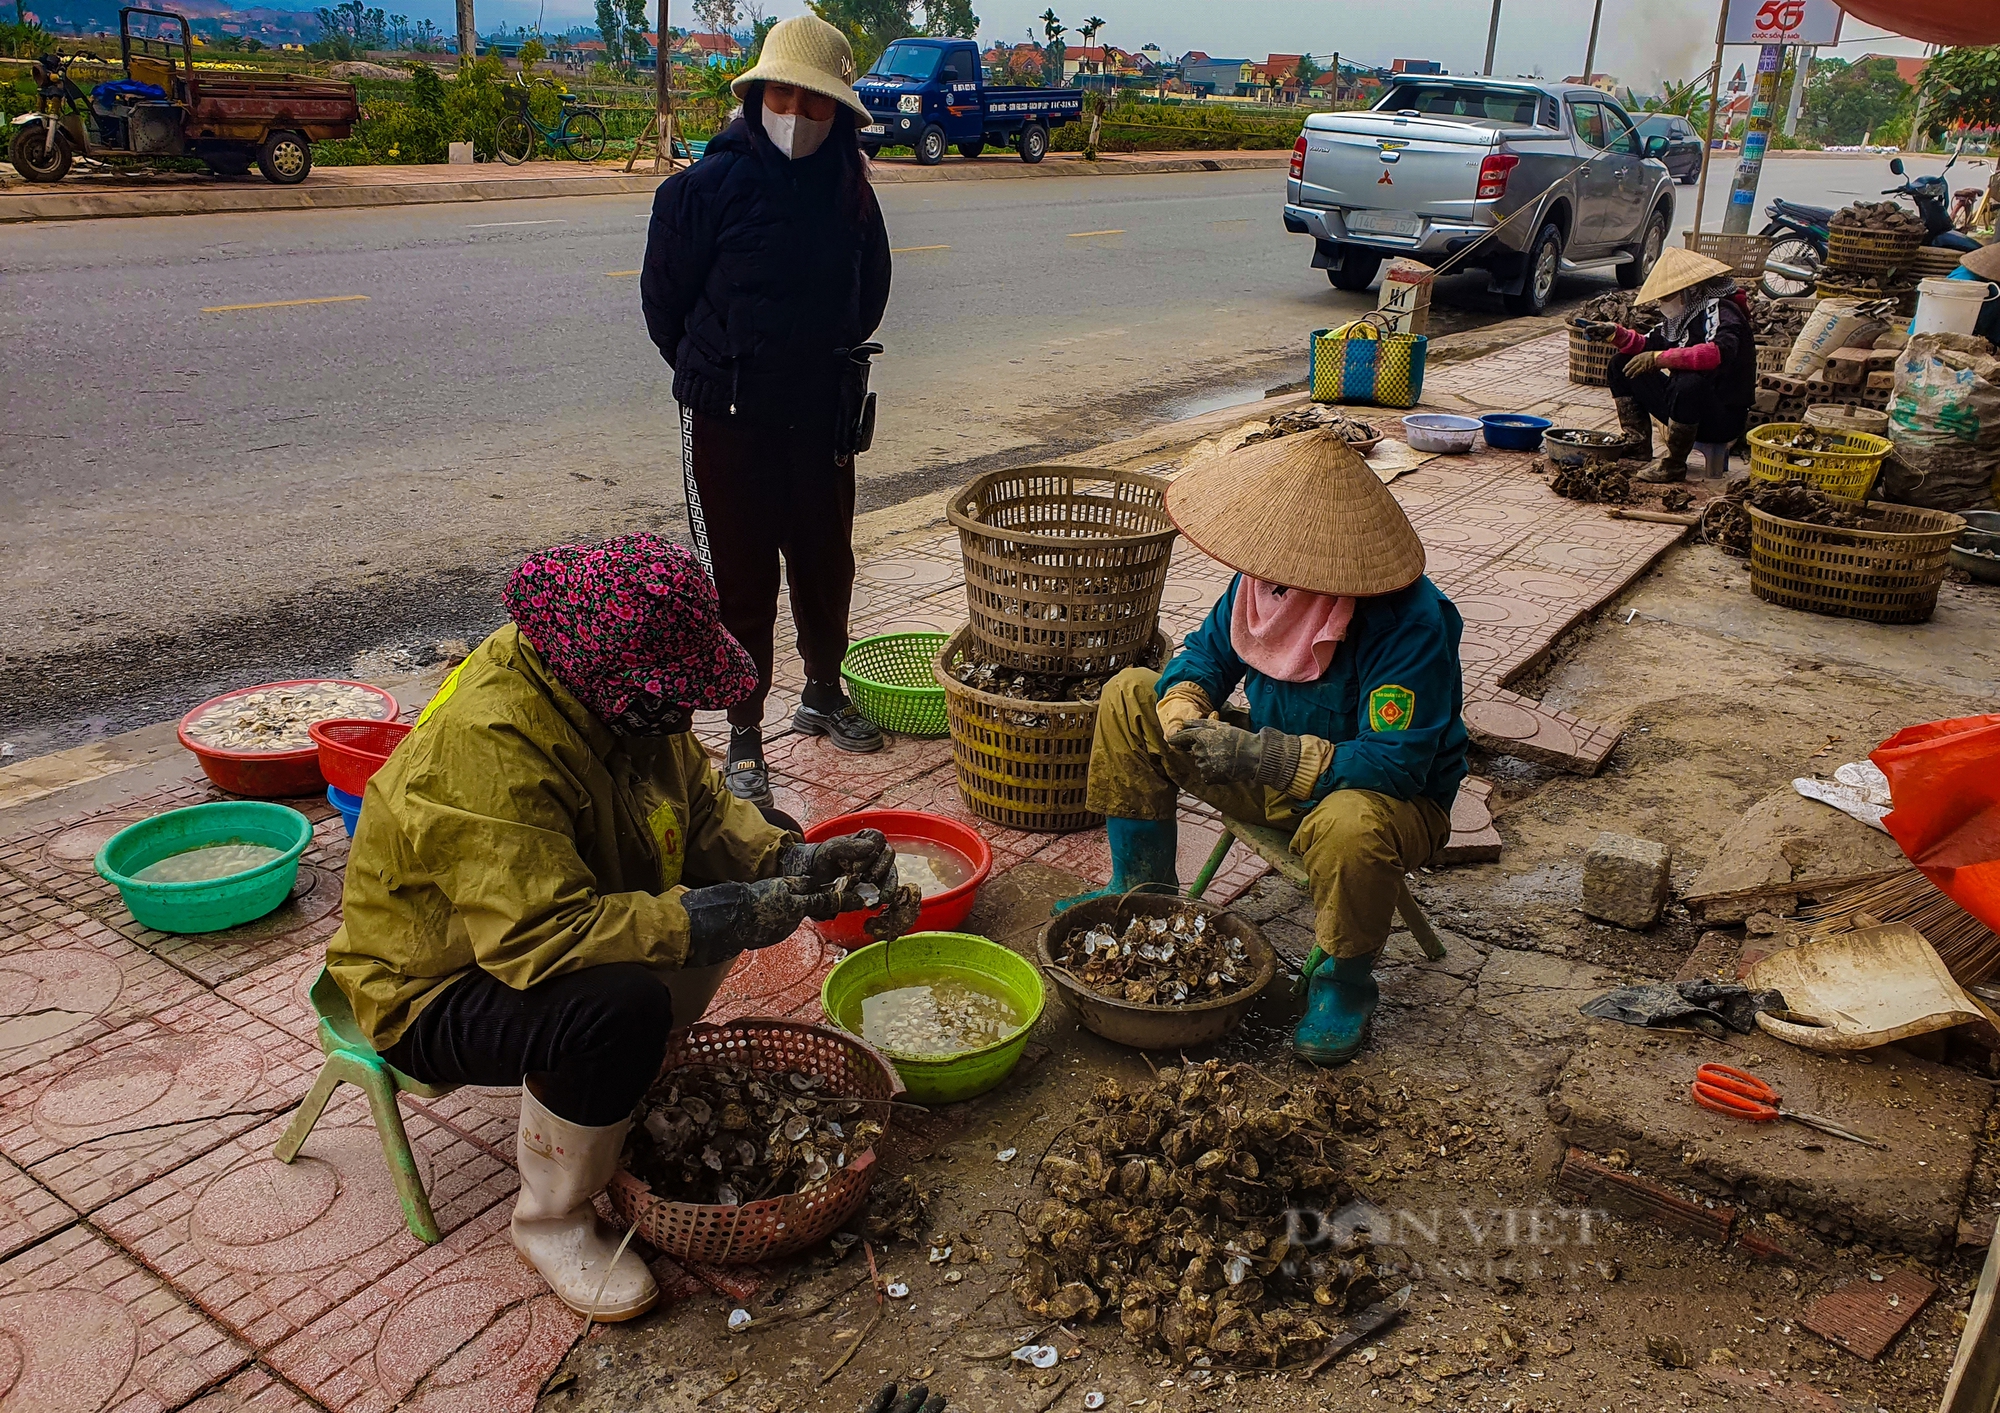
point(350, 1059)
point(1716, 454)
point(1274, 847)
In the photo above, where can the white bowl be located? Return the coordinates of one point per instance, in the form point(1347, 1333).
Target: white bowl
point(1441, 431)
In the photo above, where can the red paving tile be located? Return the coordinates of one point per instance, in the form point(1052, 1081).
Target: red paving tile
point(937, 792)
point(28, 1211)
point(1087, 854)
point(267, 1248)
point(104, 1118)
point(253, 1391)
point(466, 1325)
point(810, 760)
point(781, 980)
point(67, 979)
point(277, 993)
point(83, 1327)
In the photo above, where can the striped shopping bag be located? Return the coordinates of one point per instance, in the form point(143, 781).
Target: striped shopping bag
point(1360, 362)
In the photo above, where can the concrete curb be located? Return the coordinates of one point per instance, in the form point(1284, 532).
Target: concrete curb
point(16, 207)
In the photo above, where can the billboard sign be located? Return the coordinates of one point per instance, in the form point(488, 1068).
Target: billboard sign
point(1782, 22)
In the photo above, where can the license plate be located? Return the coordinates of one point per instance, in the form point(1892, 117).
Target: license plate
point(1401, 223)
point(876, 129)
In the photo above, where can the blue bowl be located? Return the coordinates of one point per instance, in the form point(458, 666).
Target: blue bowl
point(1513, 431)
point(348, 805)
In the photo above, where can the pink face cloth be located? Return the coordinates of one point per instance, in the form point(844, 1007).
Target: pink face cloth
point(1287, 634)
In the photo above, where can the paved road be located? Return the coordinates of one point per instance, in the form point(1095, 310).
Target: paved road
point(205, 481)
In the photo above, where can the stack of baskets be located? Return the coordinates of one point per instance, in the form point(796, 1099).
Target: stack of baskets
point(1870, 264)
point(1842, 463)
point(1064, 570)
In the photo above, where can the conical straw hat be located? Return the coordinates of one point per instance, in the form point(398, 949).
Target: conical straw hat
point(1677, 269)
point(1984, 262)
point(1304, 511)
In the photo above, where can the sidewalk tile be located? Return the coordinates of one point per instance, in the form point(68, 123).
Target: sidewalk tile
point(812, 760)
point(28, 1211)
point(88, 1328)
point(67, 979)
point(277, 992)
point(253, 1391)
point(781, 980)
point(936, 792)
point(1087, 854)
point(486, 1118)
point(267, 1248)
point(465, 1325)
point(98, 1121)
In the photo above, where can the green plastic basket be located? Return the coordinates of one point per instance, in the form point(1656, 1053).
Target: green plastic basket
point(890, 681)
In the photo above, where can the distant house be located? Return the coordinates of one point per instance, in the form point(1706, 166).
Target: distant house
point(709, 49)
point(1607, 82)
point(1909, 68)
point(1223, 77)
point(1079, 60)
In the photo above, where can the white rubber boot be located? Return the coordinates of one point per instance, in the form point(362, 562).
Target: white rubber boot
point(557, 1230)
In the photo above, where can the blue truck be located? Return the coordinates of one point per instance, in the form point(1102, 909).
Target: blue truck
point(930, 94)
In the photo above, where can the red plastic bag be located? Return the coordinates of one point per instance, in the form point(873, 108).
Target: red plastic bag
point(1944, 783)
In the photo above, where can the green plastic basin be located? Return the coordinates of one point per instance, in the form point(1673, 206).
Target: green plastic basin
point(211, 904)
point(939, 1079)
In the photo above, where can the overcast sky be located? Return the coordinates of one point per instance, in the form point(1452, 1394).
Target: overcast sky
point(1641, 41)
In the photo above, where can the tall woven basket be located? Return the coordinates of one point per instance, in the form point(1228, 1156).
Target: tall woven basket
point(1889, 574)
point(1869, 252)
point(774, 1226)
point(1021, 764)
point(1064, 566)
point(1589, 363)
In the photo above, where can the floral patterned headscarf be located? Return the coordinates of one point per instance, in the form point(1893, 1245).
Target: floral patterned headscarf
point(632, 627)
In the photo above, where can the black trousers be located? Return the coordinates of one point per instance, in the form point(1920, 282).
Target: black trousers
point(758, 491)
point(591, 1040)
point(1684, 397)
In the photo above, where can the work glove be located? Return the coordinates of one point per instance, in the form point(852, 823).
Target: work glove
point(917, 1399)
point(1598, 331)
point(1641, 364)
point(1216, 753)
point(725, 919)
point(865, 857)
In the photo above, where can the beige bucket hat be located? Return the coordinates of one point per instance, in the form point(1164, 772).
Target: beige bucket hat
point(1678, 269)
point(1304, 511)
point(806, 52)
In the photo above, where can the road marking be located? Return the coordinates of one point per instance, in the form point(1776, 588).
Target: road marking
point(913, 249)
point(285, 303)
point(619, 274)
point(1079, 235)
point(495, 225)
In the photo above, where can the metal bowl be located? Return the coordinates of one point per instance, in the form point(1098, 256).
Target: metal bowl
point(1983, 565)
point(1153, 1027)
point(1572, 446)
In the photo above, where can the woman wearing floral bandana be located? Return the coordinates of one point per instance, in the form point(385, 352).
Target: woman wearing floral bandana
point(548, 875)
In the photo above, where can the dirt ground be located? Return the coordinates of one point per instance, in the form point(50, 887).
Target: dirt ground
point(1519, 1302)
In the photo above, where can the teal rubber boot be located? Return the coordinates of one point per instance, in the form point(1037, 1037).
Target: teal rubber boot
point(1142, 851)
point(1340, 998)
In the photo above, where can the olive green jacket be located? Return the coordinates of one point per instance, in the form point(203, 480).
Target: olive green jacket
point(513, 831)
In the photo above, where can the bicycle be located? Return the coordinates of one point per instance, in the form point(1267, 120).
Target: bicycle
point(579, 131)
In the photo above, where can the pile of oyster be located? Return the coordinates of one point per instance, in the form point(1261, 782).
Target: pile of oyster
point(1203, 1209)
point(1160, 961)
point(722, 1134)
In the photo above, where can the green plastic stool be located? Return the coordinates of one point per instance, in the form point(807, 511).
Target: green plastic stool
point(350, 1059)
point(1274, 847)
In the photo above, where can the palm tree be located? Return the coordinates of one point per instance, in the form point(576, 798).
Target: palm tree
point(1089, 29)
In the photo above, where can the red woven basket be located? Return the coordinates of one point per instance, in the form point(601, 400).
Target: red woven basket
point(775, 1226)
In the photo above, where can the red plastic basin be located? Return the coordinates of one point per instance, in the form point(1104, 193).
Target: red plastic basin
point(351, 750)
point(942, 913)
point(269, 775)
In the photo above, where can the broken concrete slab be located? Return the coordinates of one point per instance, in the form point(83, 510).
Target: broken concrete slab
point(1473, 837)
point(1784, 847)
point(1538, 993)
point(1628, 1088)
point(1625, 879)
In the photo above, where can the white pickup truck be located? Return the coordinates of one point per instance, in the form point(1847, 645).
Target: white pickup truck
point(1438, 163)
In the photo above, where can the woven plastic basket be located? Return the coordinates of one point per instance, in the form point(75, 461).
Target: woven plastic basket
point(775, 1226)
point(1020, 764)
point(1848, 470)
point(890, 682)
point(1832, 286)
point(1743, 254)
point(1064, 565)
point(1934, 262)
point(1869, 252)
point(1885, 575)
point(1589, 363)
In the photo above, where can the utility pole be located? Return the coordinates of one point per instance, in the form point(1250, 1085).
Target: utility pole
point(1590, 53)
point(1801, 64)
point(468, 37)
point(1492, 36)
point(1756, 137)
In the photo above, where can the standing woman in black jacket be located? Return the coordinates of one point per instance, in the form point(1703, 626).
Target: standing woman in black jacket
point(765, 262)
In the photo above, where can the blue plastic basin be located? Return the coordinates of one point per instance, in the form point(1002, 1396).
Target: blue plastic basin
point(348, 805)
point(1513, 431)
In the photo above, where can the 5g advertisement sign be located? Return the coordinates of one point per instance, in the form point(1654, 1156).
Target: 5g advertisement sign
point(1806, 22)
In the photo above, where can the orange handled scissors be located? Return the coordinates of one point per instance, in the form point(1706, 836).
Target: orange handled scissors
point(1744, 1096)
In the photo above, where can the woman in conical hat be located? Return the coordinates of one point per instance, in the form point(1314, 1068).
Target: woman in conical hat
point(1696, 372)
point(1348, 657)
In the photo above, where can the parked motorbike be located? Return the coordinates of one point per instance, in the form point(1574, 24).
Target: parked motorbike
point(1798, 251)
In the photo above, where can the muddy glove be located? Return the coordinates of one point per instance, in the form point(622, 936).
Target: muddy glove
point(918, 1399)
point(1598, 331)
point(1641, 364)
point(899, 912)
point(725, 919)
point(866, 857)
point(1215, 753)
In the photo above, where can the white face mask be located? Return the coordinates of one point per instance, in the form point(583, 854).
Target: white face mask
point(793, 135)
